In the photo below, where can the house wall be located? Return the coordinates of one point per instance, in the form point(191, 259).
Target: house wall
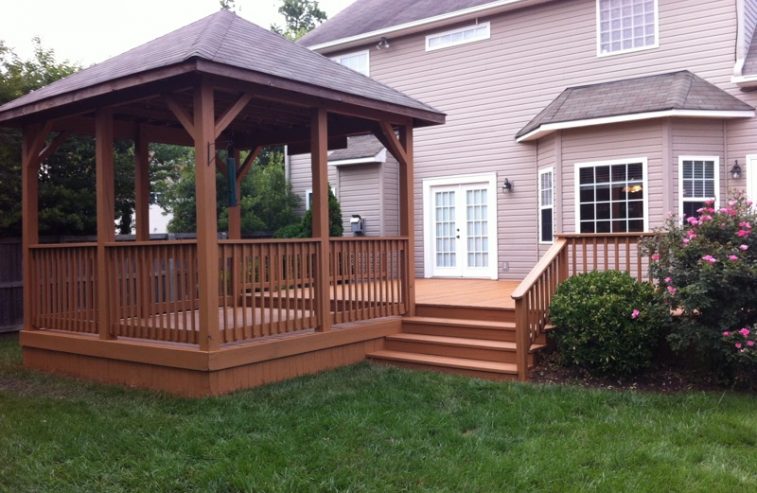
point(698, 138)
point(369, 190)
point(750, 22)
point(490, 89)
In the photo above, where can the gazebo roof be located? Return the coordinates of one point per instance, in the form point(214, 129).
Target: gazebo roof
point(226, 45)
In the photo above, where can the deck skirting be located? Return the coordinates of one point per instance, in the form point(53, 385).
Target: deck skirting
point(183, 370)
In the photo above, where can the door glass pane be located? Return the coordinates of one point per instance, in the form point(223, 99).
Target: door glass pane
point(476, 204)
point(444, 208)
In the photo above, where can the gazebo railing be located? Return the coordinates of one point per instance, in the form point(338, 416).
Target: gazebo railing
point(63, 287)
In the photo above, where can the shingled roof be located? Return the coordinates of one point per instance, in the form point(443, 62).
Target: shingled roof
point(363, 16)
point(644, 97)
point(227, 39)
point(360, 147)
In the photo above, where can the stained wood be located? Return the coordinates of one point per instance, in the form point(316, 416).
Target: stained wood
point(320, 214)
point(142, 186)
point(207, 226)
point(105, 179)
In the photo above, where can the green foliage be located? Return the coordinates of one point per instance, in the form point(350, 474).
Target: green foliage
point(708, 271)
point(267, 201)
point(300, 16)
point(305, 228)
point(607, 323)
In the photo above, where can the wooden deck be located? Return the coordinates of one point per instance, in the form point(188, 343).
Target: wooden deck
point(465, 292)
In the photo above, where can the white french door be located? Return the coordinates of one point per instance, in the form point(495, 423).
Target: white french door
point(462, 237)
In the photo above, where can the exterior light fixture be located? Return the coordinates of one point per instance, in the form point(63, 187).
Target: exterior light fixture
point(507, 186)
point(736, 170)
point(383, 44)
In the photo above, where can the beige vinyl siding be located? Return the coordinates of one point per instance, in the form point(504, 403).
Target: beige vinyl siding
point(490, 89)
point(698, 138)
point(359, 193)
point(391, 197)
point(750, 22)
point(609, 143)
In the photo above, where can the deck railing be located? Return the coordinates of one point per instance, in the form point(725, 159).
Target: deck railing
point(64, 287)
point(368, 278)
point(571, 254)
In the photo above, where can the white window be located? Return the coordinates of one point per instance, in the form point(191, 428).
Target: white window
point(698, 182)
point(611, 197)
point(309, 197)
point(454, 37)
point(546, 205)
point(358, 61)
point(626, 25)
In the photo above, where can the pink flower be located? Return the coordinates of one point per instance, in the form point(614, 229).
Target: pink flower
point(692, 220)
point(705, 217)
point(668, 280)
point(686, 241)
point(691, 234)
point(749, 203)
point(655, 257)
point(672, 290)
point(733, 258)
point(635, 314)
point(750, 343)
point(709, 259)
point(738, 345)
point(743, 248)
point(731, 202)
point(745, 225)
point(726, 334)
point(709, 202)
point(742, 233)
point(744, 332)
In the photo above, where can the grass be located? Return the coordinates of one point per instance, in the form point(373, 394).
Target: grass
point(369, 428)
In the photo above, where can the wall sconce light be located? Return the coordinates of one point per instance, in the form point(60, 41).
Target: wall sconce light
point(736, 170)
point(383, 44)
point(507, 186)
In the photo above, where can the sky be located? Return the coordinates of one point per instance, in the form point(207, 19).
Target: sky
point(85, 32)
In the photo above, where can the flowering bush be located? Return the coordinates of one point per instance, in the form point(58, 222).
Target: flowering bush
point(742, 346)
point(608, 323)
point(707, 270)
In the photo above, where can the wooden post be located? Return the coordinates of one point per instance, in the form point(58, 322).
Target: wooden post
point(29, 217)
point(207, 221)
point(235, 212)
point(106, 229)
point(407, 212)
point(320, 208)
point(142, 186)
point(522, 337)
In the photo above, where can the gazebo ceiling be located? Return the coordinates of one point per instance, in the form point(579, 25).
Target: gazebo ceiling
point(285, 82)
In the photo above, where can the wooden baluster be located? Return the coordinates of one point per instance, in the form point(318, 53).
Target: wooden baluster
point(628, 254)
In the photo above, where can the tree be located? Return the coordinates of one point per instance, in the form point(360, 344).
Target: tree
point(267, 200)
point(228, 5)
point(300, 17)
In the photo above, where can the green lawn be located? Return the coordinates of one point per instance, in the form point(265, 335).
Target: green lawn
point(368, 428)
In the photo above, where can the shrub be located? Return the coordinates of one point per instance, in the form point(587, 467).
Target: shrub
point(607, 323)
point(304, 228)
point(707, 269)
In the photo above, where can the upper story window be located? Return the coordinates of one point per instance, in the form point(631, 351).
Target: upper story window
point(626, 25)
point(358, 61)
point(462, 35)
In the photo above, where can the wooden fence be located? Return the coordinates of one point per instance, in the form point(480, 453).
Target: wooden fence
point(11, 285)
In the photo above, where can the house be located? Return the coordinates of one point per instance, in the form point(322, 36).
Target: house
point(570, 116)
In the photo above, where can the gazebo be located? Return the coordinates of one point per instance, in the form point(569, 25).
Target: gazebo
point(208, 316)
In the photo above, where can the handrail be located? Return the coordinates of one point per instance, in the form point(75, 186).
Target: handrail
point(571, 254)
point(526, 284)
point(49, 246)
point(269, 241)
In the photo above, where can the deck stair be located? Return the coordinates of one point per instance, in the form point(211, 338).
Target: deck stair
point(472, 346)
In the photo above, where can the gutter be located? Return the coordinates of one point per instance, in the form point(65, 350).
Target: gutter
point(425, 24)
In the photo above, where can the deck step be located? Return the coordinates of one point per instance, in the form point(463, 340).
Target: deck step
point(462, 312)
point(457, 347)
point(489, 370)
point(452, 327)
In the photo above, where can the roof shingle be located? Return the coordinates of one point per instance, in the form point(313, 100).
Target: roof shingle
point(673, 91)
point(226, 38)
point(364, 16)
